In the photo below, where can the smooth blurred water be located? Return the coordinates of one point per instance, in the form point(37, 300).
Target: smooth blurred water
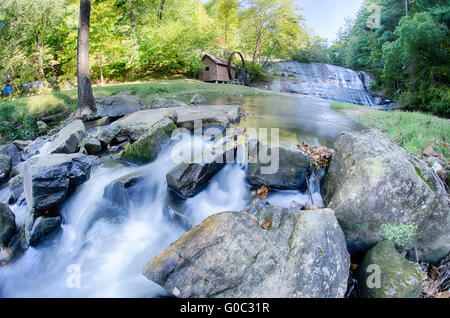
point(111, 245)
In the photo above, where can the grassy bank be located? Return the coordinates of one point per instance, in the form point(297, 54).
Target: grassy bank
point(18, 116)
point(413, 131)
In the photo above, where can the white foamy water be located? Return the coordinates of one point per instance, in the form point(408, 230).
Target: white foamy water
point(110, 245)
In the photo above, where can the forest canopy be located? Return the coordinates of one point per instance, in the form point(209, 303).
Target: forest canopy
point(132, 39)
point(408, 53)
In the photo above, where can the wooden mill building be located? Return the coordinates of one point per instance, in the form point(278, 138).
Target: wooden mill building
point(216, 69)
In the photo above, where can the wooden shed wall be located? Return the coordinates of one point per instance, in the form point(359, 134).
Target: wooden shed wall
point(214, 72)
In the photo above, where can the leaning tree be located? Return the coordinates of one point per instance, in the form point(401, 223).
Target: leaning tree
point(86, 101)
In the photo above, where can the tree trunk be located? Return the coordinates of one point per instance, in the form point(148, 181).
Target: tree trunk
point(161, 10)
point(86, 102)
point(132, 19)
point(40, 57)
point(406, 7)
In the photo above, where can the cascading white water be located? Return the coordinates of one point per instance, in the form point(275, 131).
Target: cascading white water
point(321, 80)
point(110, 246)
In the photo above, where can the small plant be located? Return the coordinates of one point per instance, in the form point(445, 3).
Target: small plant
point(403, 235)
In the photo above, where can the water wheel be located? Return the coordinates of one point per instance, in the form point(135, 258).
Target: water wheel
point(230, 73)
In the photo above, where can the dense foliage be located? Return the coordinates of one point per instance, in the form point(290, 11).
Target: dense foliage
point(408, 53)
point(133, 39)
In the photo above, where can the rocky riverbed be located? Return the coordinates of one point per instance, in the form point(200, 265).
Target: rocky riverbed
point(105, 194)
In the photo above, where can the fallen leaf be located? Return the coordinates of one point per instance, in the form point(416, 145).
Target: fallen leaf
point(262, 192)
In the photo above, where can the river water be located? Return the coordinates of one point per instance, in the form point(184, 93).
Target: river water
point(109, 245)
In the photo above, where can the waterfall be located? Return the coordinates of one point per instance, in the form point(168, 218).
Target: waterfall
point(322, 80)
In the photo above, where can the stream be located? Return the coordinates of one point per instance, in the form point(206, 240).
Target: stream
point(109, 245)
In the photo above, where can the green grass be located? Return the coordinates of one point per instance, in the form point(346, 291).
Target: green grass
point(414, 131)
point(18, 116)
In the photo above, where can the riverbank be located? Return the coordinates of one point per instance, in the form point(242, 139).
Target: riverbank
point(19, 116)
point(414, 131)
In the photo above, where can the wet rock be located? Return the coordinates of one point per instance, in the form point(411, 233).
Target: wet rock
point(16, 247)
point(302, 254)
point(68, 139)
point(21, 144)
point(41, 228)
point(13, 152)
point(399, 278)
point(49, 179)
point(5, 167)
point(290, 169)
point(123, 191)
point(166, 103)
point(321, 80)
point(33, 148)
point(16, 187)
point(380, 192)
point(92, 145)
point(188, 179)
point(117, 105)
point(7, 224)
point(147, 148)
point(198, 100)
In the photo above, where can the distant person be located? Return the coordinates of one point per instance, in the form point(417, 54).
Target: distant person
point(8, 90)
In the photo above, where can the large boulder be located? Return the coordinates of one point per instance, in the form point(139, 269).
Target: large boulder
point(387, 274)
point(166, 103)
point(117, 105)
point(13, 152)
point(302, 254)
point(49, 179)
point(380, 192)
point(7, 224)
point(68, 139)
point(292, 169)
point(188, 179)
point(5, 167)
point(147, 148)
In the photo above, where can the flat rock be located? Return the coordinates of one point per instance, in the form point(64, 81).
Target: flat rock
point(117, 105)
point(209, 115)
point(302, 254)
point(166, 103)
point(68, 139)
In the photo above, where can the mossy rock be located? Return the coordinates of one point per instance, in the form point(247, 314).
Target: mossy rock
point(147, 148)
point(398, 277)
